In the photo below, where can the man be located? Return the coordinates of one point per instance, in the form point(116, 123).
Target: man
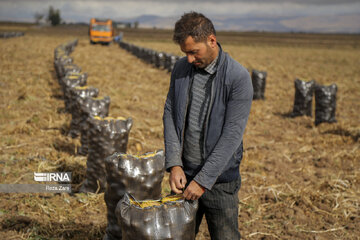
point(205, 115)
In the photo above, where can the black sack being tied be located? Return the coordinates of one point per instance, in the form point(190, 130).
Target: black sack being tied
point(88, 108)
point(106, 136)
point(325, 103)
point(141, 176)
point(76, 97)
point(303, 98)
point(259, 82)
point(168, 218)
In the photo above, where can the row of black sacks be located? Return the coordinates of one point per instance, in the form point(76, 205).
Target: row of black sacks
point(160, 60)
point(167, 61)
point(126, 179)
point(325, 96)
point(11, 34)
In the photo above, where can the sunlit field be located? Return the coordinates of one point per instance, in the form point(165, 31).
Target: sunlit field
point(299, 181)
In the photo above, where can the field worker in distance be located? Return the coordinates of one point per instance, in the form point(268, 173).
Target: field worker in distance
point(205, 115)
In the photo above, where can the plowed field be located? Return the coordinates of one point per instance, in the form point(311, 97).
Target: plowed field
point(299, 181)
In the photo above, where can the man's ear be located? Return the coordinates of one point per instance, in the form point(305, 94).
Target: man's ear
point(212, 41)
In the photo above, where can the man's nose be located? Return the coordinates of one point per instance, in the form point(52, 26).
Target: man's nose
point(190, 58)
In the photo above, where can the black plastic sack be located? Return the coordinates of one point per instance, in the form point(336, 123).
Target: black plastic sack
point(170, 61)
point(303, 98)
point(169, 218)
point(76, 97)
point(160, 60)
point(106, 136)
point(68, 68)
point(325, 103)
point(259, 82)
point(81, 92)
point(173, 60)
point(141, 176)
point(70, 82)
point(73, 75)
point(68, 47)
point(88, 108)
point(61, 59)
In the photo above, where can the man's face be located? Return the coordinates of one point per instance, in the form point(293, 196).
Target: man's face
point(200, 54)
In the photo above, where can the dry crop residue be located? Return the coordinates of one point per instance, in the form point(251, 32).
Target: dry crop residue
point(299, 181)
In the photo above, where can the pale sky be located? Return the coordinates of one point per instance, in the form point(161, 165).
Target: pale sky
point(83, 10)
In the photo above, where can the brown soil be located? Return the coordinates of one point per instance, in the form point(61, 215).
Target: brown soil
point(299, 181)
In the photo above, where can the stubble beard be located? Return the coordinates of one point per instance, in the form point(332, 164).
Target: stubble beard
point(206, 60)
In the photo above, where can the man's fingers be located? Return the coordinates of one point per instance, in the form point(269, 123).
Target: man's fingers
point(174, 188)
point(190, 196)
point(177, 179)
point(176, 184)
point(194, 191)
point(181, 182)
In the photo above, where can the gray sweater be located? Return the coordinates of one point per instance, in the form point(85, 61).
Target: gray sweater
point(229, 108)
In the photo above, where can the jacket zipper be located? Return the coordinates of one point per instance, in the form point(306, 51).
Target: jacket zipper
point(211, 102)
point(208, 113)
point(186, 109)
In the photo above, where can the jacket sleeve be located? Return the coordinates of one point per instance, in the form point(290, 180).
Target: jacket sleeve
point(171, 138)
point(236, 116)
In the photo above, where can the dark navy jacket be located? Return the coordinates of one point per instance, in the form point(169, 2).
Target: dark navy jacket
point(229, 109)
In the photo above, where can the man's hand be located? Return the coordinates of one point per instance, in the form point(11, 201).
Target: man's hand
point(177, 179)
point(194, 191)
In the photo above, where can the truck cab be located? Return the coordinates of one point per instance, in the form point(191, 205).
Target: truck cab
point(101, 31)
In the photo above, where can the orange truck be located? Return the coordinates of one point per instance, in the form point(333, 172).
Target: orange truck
point(101, 31)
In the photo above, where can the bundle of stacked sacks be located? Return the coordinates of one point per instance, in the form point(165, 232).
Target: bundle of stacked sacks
point(132, 184)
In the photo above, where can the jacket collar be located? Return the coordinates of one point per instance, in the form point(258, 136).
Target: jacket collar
point(221, 58)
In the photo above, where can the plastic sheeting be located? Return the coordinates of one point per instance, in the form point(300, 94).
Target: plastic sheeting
point(259, 83)
point(141, 176)
point(303, 98)
point(325, 103)
point(88, 108)
point(168, 218)
point(106, 136)
point(76, 98)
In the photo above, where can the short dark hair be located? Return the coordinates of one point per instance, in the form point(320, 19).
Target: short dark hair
point(195, 25)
